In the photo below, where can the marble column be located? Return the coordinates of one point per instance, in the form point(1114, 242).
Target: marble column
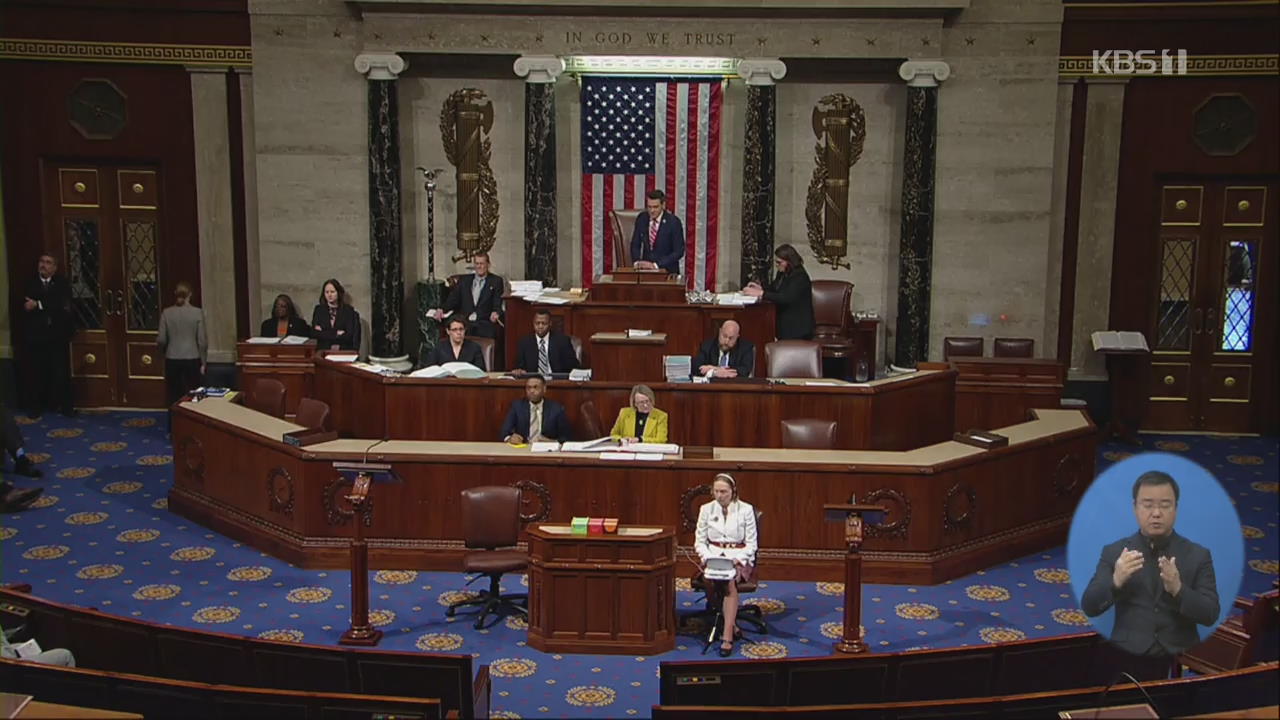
point(1099, 183)
point(759, 180)
point(213, 210)
point(387, 288)
point(540, 236)
point(915, 255)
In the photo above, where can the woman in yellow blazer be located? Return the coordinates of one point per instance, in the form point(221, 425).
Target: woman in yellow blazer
point(641, 422)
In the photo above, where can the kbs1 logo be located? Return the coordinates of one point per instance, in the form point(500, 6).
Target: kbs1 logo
point(1140, 62)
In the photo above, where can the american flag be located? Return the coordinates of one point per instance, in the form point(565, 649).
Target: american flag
point(644, 133)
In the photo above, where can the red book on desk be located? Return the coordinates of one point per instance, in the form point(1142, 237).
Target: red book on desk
point(595, 526)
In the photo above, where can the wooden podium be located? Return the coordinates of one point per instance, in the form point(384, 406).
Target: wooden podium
point(292, 365)
point(617, 357)
point(851, 515)
point(645, 286)
point(609, 594)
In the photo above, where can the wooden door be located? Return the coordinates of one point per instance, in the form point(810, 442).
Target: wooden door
point(1214, 323)
point(104, 225)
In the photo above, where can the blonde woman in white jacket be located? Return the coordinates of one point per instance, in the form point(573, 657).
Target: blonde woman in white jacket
point(727, 528)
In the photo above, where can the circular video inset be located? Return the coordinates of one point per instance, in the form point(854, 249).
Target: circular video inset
point(1156, 554)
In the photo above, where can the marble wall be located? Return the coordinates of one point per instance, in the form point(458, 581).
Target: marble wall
point(311, 143)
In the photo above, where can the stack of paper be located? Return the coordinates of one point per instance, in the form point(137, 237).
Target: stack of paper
point(737, 299)
point(457, 369)
point(526, 288)
point(659, 448)
point(342, 357)
point(580, 374)
point(263, 341)
point(375, 368)
point(630, 456)
point(546, 446)
point(677, 368)
point(293, 340)
point(634, 333)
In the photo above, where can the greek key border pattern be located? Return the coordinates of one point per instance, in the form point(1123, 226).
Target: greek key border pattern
point(238, 56)
point(1197, 66)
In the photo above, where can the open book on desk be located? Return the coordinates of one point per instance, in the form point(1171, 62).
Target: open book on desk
point(457, 369)
point(1104, 340)
point(294, 340)
point(606, 442)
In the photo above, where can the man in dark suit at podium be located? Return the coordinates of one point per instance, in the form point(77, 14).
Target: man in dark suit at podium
point(544, 352)
point(658, 239)
point(726, 355)
point(477, 298)
point(1161, 584)
point(535, 418)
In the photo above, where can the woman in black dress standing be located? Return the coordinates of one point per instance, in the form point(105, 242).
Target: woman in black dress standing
point(334, 323)
point(792, 292)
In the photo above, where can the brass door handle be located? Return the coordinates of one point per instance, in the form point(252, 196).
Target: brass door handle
point(1229, 381)
point(89, 358)
point(1168, 380)
point(1197, 321)
point(120, 306)
point(107, 299)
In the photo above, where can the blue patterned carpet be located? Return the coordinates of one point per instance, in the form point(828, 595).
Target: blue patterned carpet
point(101, 536)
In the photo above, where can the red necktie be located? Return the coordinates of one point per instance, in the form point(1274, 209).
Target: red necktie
point(653, 234)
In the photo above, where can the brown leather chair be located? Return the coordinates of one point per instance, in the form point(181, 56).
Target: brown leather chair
point(809, 434)
point(793, 359)
point(833, 322)
point(487, 346)
point(266, 396)
point(312, 413)
point(490, 523)
point(961, 347)
point(591, 424)
point(1014, 347)
point(623, 222)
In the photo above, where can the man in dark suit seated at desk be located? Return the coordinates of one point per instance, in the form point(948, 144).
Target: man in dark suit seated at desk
point(544, 352)
point(727, 355)
point(535, 418)
point(476, 298)
point(658, 239)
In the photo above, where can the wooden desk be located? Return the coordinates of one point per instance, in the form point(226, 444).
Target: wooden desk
point(888, 414)
point(991, 392)
point(686, 325)
point(612, 593)
point(952, 509)
point(290, 364)
point(37, 710)
point(619, 358)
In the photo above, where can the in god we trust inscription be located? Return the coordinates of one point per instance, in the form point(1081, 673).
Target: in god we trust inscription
point(626, 39)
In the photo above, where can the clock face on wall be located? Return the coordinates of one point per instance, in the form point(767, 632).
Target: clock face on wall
point(97, 109)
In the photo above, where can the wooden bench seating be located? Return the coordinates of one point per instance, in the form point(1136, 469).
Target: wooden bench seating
point(156, 697)
point(1178, 697)
point(125, 645)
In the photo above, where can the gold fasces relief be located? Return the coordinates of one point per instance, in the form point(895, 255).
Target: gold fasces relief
point(841, 129)
point(465, 124)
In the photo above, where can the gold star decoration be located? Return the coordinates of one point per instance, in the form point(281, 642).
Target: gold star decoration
point(537, 38)
point(924, 41)
point(1031, 40)
point(279, 32)
point(762, 41)
point(816, 41)
point(337, 33)
point(969, 41)
point(871, 42)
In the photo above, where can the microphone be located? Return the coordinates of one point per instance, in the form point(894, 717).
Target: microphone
point(1103, 697)
point(375, 444)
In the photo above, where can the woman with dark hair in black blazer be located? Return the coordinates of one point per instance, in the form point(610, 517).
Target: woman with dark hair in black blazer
point(334, 323)
point(284, 320)
point(792, 292)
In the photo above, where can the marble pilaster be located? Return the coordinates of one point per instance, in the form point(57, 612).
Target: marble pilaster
point(915, 256)
point(1099, 180)
point(385, 248)
point(540, 232)
point(759, 176)
point(213, 210)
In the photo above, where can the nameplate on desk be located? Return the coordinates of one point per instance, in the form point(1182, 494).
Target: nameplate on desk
point(982, 439)
point(311, 436)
